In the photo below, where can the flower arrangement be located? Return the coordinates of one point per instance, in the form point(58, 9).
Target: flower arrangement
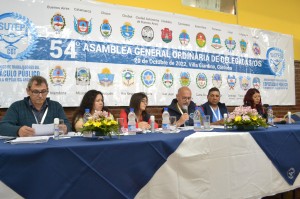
point(245, 118)
point(101, 124)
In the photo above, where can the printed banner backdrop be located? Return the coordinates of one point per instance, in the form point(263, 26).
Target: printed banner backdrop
point(79, 45)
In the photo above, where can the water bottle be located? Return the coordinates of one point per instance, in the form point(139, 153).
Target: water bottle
point(86, 115)
point(289, 117)
point(56, 128)
point(166, 120)
point(197, 119)
point(131, 121)
point(270, 116)
point(152, 122)
point(225, 120)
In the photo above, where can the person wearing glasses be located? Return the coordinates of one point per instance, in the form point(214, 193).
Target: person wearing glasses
point(35, 108)
point(182, 106)
point(139, 102)
point(214, 107)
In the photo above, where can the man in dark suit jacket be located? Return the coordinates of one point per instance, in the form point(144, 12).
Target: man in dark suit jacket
point(214, 107)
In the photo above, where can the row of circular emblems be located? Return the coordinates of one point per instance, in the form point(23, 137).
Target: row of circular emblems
point(83, 27)
point(148, 78)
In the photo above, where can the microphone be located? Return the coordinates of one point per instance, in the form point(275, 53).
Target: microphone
point(184, 109)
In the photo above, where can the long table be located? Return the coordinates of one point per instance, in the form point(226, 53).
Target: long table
point(188, 164)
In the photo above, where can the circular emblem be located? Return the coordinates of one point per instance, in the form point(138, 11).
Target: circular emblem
point(82, 26)
point(231, 81)
point(58, 22)
point(105, 29)
point(106, 78)
point(127, 31)
point(148, 77)
point(167, 79)
point(185, 79)
point(230, 44)
point(256, 49)
point(200, 39)
point(128, 77)
point(83, 76)
point(244, 82)
point(201, 80)
point(217, 80)
point(166, 35)
point(184, 38)
point(275, 57)
point(147, 33)
point(58, 76)
point(256, 83)
point(291, 173)
point(19, 37)
point(243, 45)
point(216, 42)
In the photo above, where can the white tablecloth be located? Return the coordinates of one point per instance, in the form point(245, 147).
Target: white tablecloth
point(210, 165)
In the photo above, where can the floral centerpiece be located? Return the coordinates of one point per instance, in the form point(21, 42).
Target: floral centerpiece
point(101, 124)
point(245, 118)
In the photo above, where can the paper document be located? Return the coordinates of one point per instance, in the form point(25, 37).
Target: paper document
point(29, 140)
point(43, 129)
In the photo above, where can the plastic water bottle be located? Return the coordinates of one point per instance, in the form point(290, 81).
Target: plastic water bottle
point(197, 119)
point(86, 115)
point(225, 116)
point(166, 120)
point(152, 122)
point(289, 117)
point(270, 116)
point(131, 121)
point(56, 128)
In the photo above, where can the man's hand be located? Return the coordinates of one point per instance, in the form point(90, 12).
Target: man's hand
point(184, 117)
point(26, 131)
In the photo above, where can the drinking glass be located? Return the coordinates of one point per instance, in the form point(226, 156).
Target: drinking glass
point(173, 121)
point(60, 126)
point(120, 122)
point(206, 121)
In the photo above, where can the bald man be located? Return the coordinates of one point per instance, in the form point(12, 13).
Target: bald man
point(182, 106)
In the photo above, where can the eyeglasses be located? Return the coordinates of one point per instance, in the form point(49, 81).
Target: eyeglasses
point(186, 98)
point(37, 92)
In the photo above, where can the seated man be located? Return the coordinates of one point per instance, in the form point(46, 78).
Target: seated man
point(214, 108)
point(35, 108)
point(182, 106)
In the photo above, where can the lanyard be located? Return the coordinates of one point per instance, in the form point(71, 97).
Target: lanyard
point(43, 118)
point(179, 109)
point(218, 112)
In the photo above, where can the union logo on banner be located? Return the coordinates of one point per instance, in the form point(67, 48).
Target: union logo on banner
point(105, 77)
point(217, 80)
point(231, 81)
point(245, 82)
point(275, 57)
point(167, 79)
point(82, 26)
point(184, 38)
point(230, 44)
point(128, 77)
point(201, 80)
point(18, 37)
point(105, 29)
point(200, 39)
point(147, 33)
point(185, 79)
point(127, 31)
point(256, 83)
point(148, 78)
point(83, 76)
point(57, 76)
point(58, 22)
point(166, 35)
point(216, 42)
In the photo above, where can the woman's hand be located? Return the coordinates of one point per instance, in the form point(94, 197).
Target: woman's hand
point(144, 125)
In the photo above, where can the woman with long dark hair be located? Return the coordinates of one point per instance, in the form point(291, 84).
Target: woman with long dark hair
point(92, 100)
point(139, 102)
point(252, 98)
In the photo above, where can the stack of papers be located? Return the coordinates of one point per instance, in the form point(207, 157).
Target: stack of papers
point(29, 140)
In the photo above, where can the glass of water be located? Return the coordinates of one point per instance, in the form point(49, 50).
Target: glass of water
point(173, 121)
point(206, 121)
point(60, 126)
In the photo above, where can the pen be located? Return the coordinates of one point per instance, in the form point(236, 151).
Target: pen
point(10, 139)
